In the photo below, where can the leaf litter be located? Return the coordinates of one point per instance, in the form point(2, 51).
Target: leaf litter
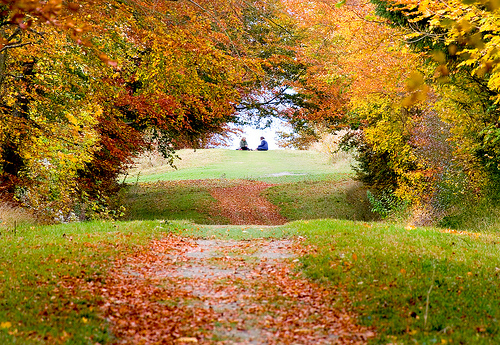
point(185, 290)
point(242, 204)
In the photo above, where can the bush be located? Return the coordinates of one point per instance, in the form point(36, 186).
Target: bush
point(386, 204)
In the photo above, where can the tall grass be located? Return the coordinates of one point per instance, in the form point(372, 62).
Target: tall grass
point(479, 216)
point(12, 217)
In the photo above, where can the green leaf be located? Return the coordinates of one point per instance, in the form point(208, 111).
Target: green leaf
point(340, 4)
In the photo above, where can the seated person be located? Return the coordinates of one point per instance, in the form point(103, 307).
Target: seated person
point(243, 144)
point(263, 145)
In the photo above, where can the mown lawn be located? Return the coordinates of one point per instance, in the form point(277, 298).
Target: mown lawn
point(51, 276)
point(278, 166)
point(48, 277)
point(423, 285)
point(413, 285)
point(322, 199)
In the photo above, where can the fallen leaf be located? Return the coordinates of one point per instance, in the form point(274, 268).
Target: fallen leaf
point(186, 340)
point(5, 324)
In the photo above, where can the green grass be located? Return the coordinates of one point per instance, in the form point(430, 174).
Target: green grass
point(474, 216)
point(229, 232)
point(37, 264)
point(45, 272)
point(188, 200)
point(271, 166)
point(413, 285)
point(173, 201)
point(416, 286)
point(309, 185)
point(321, 199)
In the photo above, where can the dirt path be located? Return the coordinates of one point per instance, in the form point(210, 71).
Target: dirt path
point(242, 204)
point(182, 291)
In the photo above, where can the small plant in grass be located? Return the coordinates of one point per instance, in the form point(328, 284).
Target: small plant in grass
point(386, 204)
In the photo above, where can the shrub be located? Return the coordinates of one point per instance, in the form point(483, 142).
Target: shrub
point(387, 204)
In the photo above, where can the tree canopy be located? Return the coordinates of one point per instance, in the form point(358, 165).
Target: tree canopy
point(86, 86)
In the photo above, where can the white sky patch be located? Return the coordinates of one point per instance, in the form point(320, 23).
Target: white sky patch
point(253, 135)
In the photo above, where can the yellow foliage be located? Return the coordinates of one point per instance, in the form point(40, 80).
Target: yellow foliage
point(475, 26)
point(389, 131)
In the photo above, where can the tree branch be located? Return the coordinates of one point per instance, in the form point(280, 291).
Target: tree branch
point(16, 32)
point(11, 46)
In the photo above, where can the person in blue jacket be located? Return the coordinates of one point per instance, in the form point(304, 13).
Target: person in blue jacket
point(263, 145)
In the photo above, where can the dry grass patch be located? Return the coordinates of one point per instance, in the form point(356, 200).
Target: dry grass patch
point(11, 216)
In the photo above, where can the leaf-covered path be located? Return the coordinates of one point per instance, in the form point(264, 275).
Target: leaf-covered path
point(242, 204)
point(183, 290)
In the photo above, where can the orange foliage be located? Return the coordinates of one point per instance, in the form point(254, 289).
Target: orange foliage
point(350, 45)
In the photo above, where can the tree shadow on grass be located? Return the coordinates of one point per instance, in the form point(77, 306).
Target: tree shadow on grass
point(171, 200)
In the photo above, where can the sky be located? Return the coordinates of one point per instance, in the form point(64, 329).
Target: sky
point(253, 136)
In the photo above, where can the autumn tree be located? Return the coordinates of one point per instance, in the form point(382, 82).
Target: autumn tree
point(47, 114)
point(459, 41)
point(88, 86)
point(358, 52)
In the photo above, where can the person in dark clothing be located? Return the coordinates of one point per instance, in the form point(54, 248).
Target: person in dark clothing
point(263, 145)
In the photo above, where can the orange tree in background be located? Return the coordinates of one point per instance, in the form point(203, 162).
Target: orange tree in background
point(347, 58)
point(359, 53)
point(418, 81)
point(407, 132)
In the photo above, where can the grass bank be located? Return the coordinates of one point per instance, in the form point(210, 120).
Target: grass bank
point(322, 199)
point(48, 275)
point(309, 184)
point(191, 200)
point(173, 200)
point(416, 286)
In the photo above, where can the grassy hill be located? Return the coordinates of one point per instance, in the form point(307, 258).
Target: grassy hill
point(276, 166)
point(424, 285)
point(308, 185)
